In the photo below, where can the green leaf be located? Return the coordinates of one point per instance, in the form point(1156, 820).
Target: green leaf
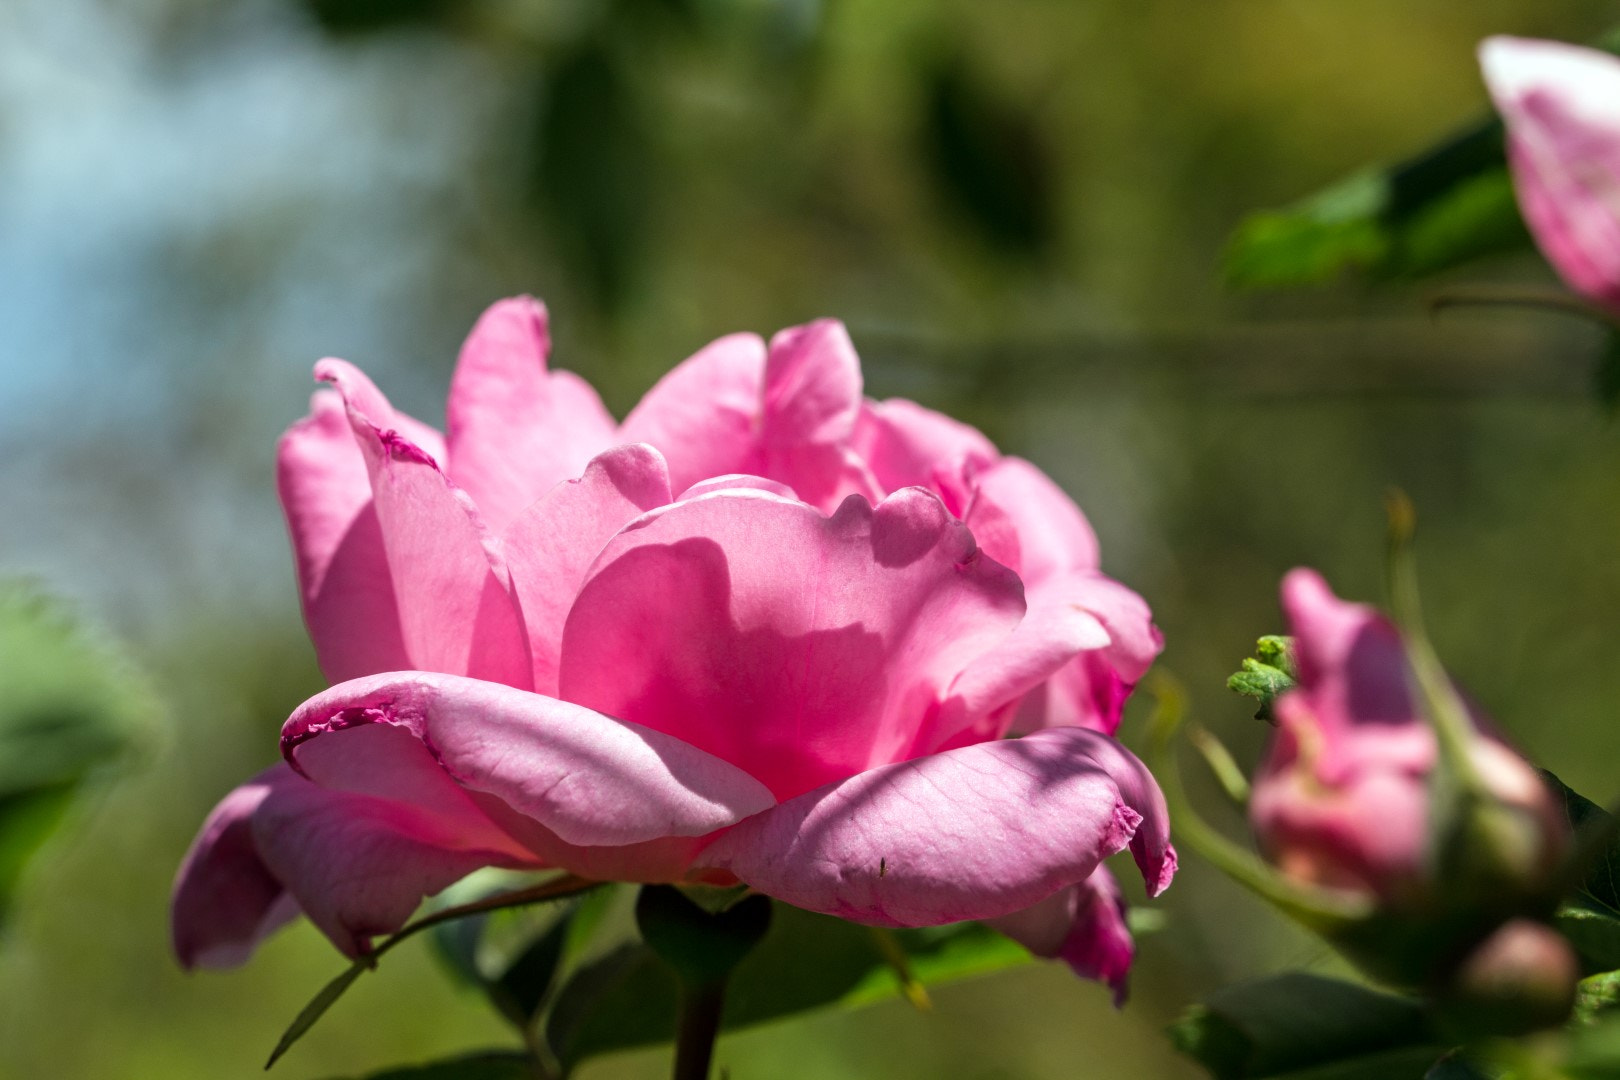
point(315, 1010)
point(1266, 674)
point(1592, 826)
point(702, 946)
point(1446, 205)
point(806, 961)
point(1595, 936)
point(520, 989)
point(486, 1065)
point(69, 704)
point(1282, 1025)
point(1597, 994)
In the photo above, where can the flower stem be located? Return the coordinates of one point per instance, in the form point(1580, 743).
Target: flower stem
point(698, 1026)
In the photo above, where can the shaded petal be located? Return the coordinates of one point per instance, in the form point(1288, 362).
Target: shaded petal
point(973, 833)
point(704, 416)
point(225, 899)
point(357, 864)
point(455, 612)
point(515, 429)
point(589, 778)
point(799, 647)
point(556, 539)
point(1561, 105)
point(906, 444)
point(1082, 925)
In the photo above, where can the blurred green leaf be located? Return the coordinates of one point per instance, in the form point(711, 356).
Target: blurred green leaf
point(1595, 830)
point(1458, 1065)
point(595, 171)
point(1597, 994)
point(1595, 936)
point(806, 961)
point(367, 16)
point(990, 161)
point(486, 1065)
point(316, 1008)
point(702, 946)
point(1451, 203)
point(69, 702)
point(1295, 1022)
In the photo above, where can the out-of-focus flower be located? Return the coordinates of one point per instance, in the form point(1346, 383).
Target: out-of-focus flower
point(1561, 105)
point(1344, 797)
point(763, 631)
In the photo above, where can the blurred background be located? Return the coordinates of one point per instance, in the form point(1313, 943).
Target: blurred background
point(1019, 209)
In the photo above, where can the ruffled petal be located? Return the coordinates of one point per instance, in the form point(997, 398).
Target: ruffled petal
point(590, 779)
point(517, 430)
point(1052, 535)
point(1082, 925)
point(705, 415)
point(906, 444)
point(555, 540)
point(812, 399)
point(973, 833)
point(799, 647)
point(456, 614)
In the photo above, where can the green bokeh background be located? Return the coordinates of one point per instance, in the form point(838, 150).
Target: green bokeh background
point(1018, 208)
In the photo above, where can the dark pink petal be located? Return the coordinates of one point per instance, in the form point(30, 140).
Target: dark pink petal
point(705, 415)
point(973, 833)
point(588, 778)
point(225, 900)
point(800, 648)
point(1559, 103)
point(905, 444)
point(554, 541)
point(515, 429)
point(1082, 925)
point(455, 611)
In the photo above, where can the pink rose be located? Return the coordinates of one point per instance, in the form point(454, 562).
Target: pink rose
point(747, 635)
point(1342, 798)
point(1561, 105)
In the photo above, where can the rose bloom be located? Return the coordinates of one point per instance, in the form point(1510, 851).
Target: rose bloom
point(764, 631)
point(1342, 798)
point(1561, 106)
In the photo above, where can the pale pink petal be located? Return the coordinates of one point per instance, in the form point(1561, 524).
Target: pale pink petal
point(705, 415)
point(1561, 105)
point(799, 647)
point(456, 614)
point(906, 444)
point(590, 779)
point(517, 430)
point(1053, 536)
point(1082, 925)
point(736, 482)
point(343, 578)
point(554, 541)
point(973, 833)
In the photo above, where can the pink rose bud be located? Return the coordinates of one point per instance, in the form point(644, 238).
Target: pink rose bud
point(1520, 979)
point(1561, 105)
point(1344, 796)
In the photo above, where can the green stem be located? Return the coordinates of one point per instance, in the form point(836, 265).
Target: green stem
point(698, 1026)
point(1545, 300)
point(1221, 764)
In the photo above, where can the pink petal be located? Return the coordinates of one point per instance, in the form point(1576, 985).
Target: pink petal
point(906, 444)
point(1053, 536)
point(1082, 925)
point(973, 833)
point(800, 648)
point(1561, 105)
point(225, 900)
point(517, 430)
point(812, 400)
point(357, 864)
point(590, 779)
point(554, 541)
point(705, 415)
point(736, 482)
point(456, 614)
point(344, 583)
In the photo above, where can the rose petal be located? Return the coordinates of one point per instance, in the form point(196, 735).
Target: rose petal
point(456, 614)
point(973, 833)
point(1082, 925)
point(589, 778)
point(812, 399)
point(799, 647)
point(704, 416)
point(556, 539)
point(517, 430)
point(1053, 536)
point(906, 444)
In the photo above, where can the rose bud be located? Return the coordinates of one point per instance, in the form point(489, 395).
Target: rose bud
point(1520, 979)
